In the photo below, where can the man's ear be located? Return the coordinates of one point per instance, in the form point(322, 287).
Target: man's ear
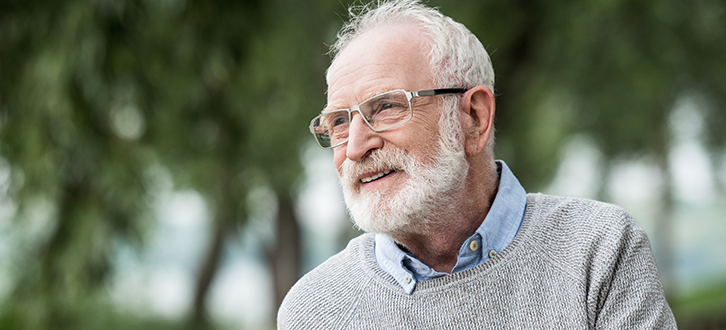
point(477, 119)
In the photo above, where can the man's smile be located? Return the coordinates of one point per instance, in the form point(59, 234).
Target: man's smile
point(376, 176)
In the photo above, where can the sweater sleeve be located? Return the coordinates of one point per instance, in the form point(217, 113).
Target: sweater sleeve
point(627, 292)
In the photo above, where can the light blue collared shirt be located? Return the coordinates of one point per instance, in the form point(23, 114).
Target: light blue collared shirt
point(495, 233)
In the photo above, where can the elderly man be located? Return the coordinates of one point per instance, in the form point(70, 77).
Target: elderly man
point(454, 241)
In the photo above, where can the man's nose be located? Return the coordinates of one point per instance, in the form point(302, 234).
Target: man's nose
point(361, 139)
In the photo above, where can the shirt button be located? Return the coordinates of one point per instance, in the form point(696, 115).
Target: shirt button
point(407, 279)
point(492, 253)
point(474, 245)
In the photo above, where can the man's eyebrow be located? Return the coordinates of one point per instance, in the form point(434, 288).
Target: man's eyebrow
point(365, 97)
point(328, 108)
point(377, 92)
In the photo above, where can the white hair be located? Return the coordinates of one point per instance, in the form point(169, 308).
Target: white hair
point(457, 59)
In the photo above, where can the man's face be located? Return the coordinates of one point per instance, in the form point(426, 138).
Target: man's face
point(392, 180)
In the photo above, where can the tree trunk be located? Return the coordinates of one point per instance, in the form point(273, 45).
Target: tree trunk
point(664, 219)
point(664, 227)
point(208, 271)
point(285, 257)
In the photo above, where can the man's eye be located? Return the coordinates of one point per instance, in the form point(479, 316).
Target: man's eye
point(394, 106)
point(385, 106)
point(339, 121)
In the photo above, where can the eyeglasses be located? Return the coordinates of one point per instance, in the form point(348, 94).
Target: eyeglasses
point(381, 112)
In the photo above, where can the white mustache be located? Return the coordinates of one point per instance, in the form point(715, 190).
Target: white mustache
point(378, 160)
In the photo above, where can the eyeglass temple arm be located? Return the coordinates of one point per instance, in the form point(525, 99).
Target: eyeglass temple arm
point(440, 91)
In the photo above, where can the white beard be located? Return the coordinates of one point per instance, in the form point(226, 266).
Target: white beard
point(422, 202)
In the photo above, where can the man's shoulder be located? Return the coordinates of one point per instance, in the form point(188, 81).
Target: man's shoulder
point(336, 269)
point(321, 297)
point(575, 231)
point(570, 226)
point(565, 212)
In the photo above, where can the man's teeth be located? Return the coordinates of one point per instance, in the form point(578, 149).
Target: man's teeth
point(375, 176)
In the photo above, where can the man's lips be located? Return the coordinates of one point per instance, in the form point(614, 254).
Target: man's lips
point(376, 176)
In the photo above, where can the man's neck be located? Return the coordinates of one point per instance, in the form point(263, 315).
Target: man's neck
point(439, 246)
point(440, 250)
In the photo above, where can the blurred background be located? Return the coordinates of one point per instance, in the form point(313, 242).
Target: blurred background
point(156, 171)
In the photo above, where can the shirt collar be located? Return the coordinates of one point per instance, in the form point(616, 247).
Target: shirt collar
point(496, 232)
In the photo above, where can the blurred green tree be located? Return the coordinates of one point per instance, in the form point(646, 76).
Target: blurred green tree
point(69, 136)
point(93, 93)
point(231, 83)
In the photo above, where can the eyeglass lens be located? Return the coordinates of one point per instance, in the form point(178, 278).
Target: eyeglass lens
point(380, 112)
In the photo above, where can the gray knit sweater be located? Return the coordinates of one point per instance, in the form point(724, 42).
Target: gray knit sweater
point(575, 264)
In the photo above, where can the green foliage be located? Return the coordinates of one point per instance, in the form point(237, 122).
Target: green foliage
point(97, 313)
point(703, 309)
point(59, 135)
point(93, 93)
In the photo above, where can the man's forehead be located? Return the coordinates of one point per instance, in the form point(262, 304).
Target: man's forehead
point(378, 61)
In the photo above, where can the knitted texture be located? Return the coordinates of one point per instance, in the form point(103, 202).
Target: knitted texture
point(575, 264)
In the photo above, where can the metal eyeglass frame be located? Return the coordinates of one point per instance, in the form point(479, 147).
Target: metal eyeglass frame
point(409, 96)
